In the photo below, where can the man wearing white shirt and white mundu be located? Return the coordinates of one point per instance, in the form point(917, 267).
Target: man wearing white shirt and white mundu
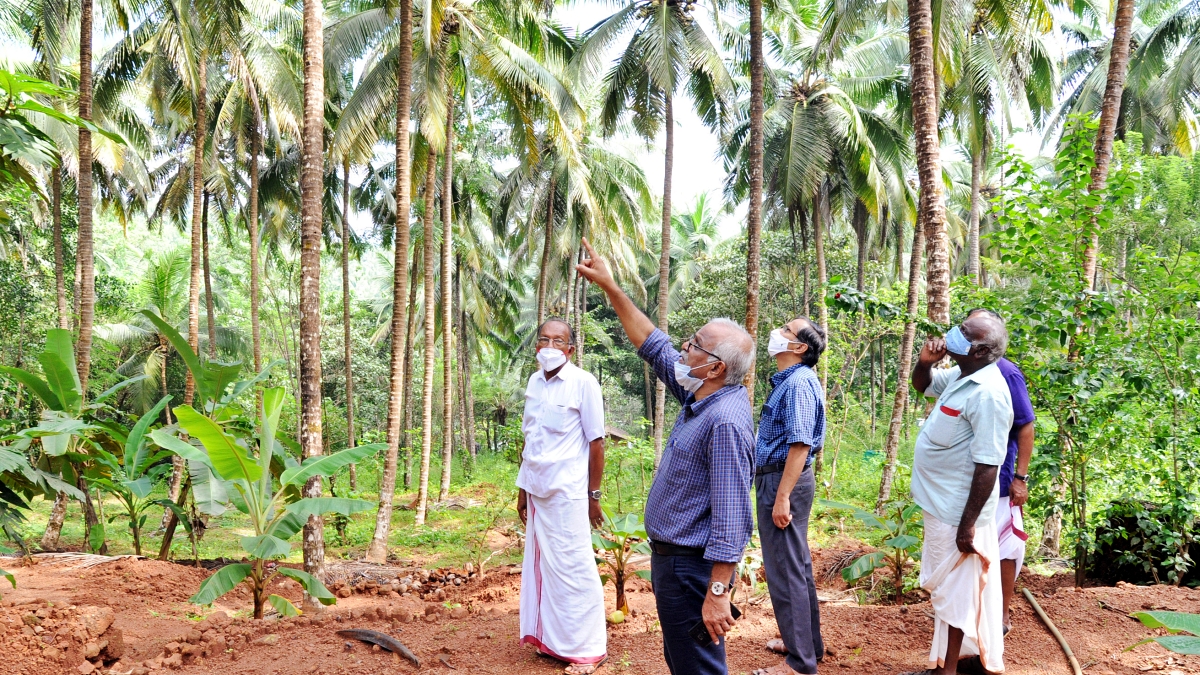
point(562, 465)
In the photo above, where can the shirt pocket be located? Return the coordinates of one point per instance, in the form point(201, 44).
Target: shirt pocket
point(556, 418)
point(943, 426)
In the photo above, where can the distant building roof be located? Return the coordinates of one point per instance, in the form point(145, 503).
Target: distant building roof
point(617, 433)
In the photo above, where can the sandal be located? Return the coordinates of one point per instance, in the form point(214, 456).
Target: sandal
point(777, 645)
point(582, 668)
point(777, 669)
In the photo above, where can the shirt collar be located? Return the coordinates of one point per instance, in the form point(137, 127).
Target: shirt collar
point(979, 376)
point(565, 370)
point(695, 407)
point(784, 374)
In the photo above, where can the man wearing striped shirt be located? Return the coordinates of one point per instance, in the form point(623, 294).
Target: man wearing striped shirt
point(698, 513)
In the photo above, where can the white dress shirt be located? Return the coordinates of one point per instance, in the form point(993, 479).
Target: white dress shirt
point(968, 425)
point(563, 415)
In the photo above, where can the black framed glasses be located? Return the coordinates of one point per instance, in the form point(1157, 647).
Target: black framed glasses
point(557, 343)
point(690, 344)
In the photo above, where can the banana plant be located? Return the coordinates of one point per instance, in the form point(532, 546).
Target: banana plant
point(619, 539)
point(274, 505)
point(902, 544)
point(67, 426)
point(131, 478)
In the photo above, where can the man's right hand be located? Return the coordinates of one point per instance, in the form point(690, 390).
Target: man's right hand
point(522, 505)
point(594, 269)
point(932, 351)
point(965, 539)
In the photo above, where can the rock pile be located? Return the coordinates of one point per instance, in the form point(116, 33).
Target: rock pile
point(44, 637)
point(425, 584)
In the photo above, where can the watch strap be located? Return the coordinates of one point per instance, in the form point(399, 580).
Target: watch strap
point(1024, 478)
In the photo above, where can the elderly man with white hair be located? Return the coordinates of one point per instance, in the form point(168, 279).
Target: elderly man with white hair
point(955, 480)
point(698, 513)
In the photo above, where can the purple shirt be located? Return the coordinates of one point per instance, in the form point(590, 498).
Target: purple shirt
point(1022, 415)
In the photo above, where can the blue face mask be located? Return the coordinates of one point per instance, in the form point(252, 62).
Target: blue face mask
point(957, 343)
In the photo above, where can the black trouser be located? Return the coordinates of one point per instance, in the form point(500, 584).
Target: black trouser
point(680, 586)
point(788, 564)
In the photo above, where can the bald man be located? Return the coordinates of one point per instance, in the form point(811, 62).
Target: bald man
point(956, 464)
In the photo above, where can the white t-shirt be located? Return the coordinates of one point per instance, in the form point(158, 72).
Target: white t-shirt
point(969, 425)
point(563, 415)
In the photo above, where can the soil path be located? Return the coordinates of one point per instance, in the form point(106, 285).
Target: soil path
point(475, 630)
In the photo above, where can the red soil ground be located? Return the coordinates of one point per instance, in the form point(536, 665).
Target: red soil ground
point(153, 628)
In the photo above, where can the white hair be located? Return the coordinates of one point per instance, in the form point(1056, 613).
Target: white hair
point(736, 350)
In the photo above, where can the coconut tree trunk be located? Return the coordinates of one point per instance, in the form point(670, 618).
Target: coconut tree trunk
point(430, 340)
point(208, 296)
point(409, 401)
point(197, 240)
point(86, 293)
point(60, 283)
point(891, 447)
point(348, 351)
point(863, 237)
point(464, 366)
point(664, 267)
point(54, 526)
point(1110, 110)
point(398, 388)
point(447, 304)
point(978, 162)
point(252, 230)
point(931, 212)
point(544, 272)
point(819, 250)
point(754, 211)
point(311, 174)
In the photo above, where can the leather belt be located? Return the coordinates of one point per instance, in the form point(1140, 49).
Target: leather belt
point(770, 468)
point(673, 550)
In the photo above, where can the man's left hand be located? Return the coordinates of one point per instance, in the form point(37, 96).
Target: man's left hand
point(966, 538)
point(1018, 492)
point(717, 616)
point(781, 514)
point(595, 514)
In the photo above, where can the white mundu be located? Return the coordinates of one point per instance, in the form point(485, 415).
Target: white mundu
point(562, 601)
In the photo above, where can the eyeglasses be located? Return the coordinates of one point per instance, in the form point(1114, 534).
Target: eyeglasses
point(690, 344)
point(557, 343)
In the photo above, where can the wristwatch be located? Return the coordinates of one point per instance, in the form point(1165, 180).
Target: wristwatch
point(1022, 478)
point(595, 494)
point(717, 588)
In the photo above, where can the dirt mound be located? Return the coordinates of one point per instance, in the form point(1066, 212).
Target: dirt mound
point(473, 627)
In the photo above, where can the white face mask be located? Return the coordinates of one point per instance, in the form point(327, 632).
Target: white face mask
point(777, 344)
point(551, 359)
point(683, 375)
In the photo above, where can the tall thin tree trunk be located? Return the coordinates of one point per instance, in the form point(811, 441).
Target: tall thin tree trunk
point(664, 268)
point(1110, 110)
point(377, 551)
point(978, 162)
point(819, 249)
point(311, 214)
point(891, 447)
point(209, 310)
point(544, 272)
point(348, 350)
point(197, 236)
point(58, 514)
point(931, 212)
point(409, 400)
point(60, 284)
point(467, 402)
point(447, 304)
point(85, 295)
point(863, 237)
point(252, 231)
point(754, 211)
point(430, 340)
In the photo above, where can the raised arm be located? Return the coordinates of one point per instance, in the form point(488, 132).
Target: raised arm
point(636, 324)
point(932, 351)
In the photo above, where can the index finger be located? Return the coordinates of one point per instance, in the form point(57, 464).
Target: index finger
point(587, 245)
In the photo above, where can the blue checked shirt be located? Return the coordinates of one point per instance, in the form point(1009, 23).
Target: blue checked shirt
point(701, 494)
point(793, 413)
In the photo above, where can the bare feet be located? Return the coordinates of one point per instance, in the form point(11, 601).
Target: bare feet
point(776, 645)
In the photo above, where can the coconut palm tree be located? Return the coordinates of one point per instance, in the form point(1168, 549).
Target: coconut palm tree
point(666, 49)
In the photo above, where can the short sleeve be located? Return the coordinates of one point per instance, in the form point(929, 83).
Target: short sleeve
point(1022, 405)
point(940, 378)
point(989, 413)
point(805, 416)
point(591, 409)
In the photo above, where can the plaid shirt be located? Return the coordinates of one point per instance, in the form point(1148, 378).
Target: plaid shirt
point(701, 494)
point(793, 413)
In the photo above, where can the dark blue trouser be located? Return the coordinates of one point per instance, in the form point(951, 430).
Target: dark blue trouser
point(680, 585)
point(788, 564)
